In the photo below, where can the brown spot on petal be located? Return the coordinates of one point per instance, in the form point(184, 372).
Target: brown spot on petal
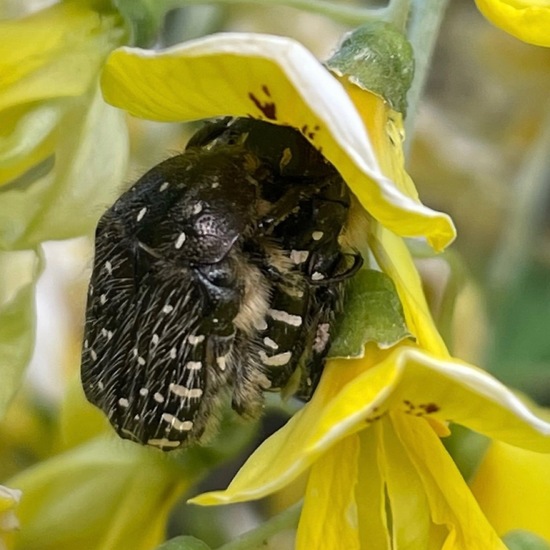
point(268, 108)
point(430, 407)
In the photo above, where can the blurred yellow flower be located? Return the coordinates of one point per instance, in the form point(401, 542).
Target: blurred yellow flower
point(512, 487)
point(103, 495)
point(58, 138)
point(528, 20)
point(9, 499)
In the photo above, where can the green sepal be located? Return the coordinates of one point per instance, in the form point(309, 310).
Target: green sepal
point(524, 540)
point(372, 313)
point(377, 57)
point(184, 543)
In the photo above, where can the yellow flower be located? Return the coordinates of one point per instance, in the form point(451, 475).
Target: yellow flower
point(383, 413)
point(370, 435)
point(528, 20)
point(274, 79)
point(9, 499)
point(58, 138)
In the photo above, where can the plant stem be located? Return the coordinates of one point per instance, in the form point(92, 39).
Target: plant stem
point(258, 537)
point(526, 213)
point(397, 13)
point(426, 17)
point(347, 15)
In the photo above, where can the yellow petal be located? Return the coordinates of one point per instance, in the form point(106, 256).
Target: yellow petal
point(330, 501)
point(55, 52)
point(354, 393)
point(512, 487)
point(275, 79)
point(451, 502)
point(47, 60)
point(528, 20)
point(410, 510)
point(371, 494)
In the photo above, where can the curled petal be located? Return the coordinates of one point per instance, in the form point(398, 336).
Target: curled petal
point(275, 79)
point(330, 500)
point(353, 394)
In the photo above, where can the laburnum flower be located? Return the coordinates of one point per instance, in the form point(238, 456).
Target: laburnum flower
point(63, 152)
point(369, 440)
point(528, 20)
point(55, 130)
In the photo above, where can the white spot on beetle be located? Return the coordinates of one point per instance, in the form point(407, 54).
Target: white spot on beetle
point(299, 256)
point(103, 299)
point(316, 276)
point(141, 361)
point(109, 267)
point(317, 235)
point(173, 353)
point(275, 360)
point(188, 393)
point(143, 391)
point(158, 397)
point(123, 402)
point(141, 213)
point(197, 208)
point(164, 186)
point(176, 423)
point(180, 240)
point(221, 361)
point(155, 339)
point(193, 365)
point(260, 324)
point(270, 343)
point(167, 308)
point(93, 354)
point(285, 317)
point(194, 340)
point(163, 442)
point(321, 337)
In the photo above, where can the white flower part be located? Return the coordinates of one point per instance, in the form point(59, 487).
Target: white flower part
point(276, 79)
point(9, 499)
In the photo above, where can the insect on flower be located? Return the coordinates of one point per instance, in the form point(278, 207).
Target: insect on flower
point(220, 273)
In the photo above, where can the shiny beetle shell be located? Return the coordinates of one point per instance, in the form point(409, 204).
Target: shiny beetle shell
point(218, 276)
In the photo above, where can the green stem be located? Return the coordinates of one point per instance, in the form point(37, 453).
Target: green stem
point(526, 214)
point(397, 13)
point(347, 15)
point(426, 17)
point(258, 537)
